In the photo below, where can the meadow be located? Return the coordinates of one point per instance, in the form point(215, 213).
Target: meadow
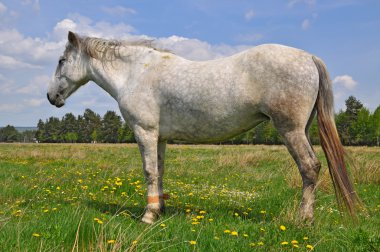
point(90, 197)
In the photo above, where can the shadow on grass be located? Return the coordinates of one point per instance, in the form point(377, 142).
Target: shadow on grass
point(135, 212)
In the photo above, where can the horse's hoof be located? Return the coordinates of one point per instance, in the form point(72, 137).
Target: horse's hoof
point(149, 217)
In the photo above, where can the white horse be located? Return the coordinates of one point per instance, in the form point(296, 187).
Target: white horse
point(163, 96)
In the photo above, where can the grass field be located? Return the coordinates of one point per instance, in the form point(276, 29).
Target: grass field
point(223, 198)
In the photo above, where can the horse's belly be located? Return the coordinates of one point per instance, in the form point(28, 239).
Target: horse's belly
point(194, 127)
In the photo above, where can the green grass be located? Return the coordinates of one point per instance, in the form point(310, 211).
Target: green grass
point(90, 198)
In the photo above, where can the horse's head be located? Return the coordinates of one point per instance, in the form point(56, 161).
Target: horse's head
point(71, 72)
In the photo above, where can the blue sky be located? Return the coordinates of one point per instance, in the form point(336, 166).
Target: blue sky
point(344, 33)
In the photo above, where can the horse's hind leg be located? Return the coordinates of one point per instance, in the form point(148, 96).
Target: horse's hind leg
point(308, 165)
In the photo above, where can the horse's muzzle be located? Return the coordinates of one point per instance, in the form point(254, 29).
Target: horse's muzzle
point(57, 102)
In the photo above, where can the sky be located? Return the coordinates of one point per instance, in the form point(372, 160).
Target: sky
point(33, 34)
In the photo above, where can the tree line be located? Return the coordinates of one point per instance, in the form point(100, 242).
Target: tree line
point(356, 126)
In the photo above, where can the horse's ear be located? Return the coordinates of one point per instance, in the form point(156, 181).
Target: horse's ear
point(73, 39)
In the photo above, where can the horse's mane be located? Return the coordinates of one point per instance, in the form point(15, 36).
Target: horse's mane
point(105, 49)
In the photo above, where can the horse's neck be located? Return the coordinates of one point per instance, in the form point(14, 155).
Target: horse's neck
point(113, 76)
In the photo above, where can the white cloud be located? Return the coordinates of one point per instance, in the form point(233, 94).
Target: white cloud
point(305, 24)
point(86, 26)
point(346, 81)
point(9, 62)
point(249, 15)
point(3, 8)
point(119, 10)
point(292, 3)
point(249, 37)
point(34, 3)
point(35, 102)
point(195, 49)
point(36, 86)
point(7, 107)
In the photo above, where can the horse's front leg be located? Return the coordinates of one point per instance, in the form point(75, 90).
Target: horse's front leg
point(147, 141)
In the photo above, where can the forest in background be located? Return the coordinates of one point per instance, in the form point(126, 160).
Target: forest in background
point(356, 126)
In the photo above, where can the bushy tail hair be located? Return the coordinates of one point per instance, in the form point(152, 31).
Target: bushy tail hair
point(346, 196)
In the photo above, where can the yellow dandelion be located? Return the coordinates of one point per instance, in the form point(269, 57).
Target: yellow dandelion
point(227, 231)
point(252, 244)
point(260, 243)
point(195, 223)
point(162, 225)
point(45, 210)
point(309, 247)
point(188, 210)
point(236, 214)
point(211, 220)
point(283, 228)
point(284, 243)
point(191, 194)
point(192, 242)
point(216, 238)
point(202, 212)
point(263, 212)
point(80, 180)
point(134, 242)
point(234, 233)
point(111, 241)
point(296, 246)
point(294, 242)
point(36, 235)
point(245, 235)
point(306, 238)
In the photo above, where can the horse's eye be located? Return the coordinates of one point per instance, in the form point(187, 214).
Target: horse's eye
point(61, 61)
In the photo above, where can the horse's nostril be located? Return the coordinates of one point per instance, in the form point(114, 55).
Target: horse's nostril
point(56, 96)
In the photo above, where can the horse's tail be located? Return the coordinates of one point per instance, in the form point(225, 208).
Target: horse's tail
point(333, 148)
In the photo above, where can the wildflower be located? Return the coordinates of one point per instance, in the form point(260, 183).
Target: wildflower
point(111, 241)
point(202, 212)
point(263, 212)
point(216, 238)
point(195, 223)
point(210, 220)
point(283, 228)
point(309, 247)
point(294, 242)
point(54, 209)
point(36, 235)
point(245, 235)
point(118, 183)
point(284, 243)
point(200, 217)
point(123, 194)
point(134, 242)
point(252, 244)
point(306, 238)
point(262, 229)
point(260, 243)
point(80, 181)
point(162, 225)
point(84, 187)
point(227, 231)
point(58, 188)
point(98, 221)
point(296, 246)
point(45, 210)
point(192, 242)
point(191, 194)
point(234, 233)
point(188, 210)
